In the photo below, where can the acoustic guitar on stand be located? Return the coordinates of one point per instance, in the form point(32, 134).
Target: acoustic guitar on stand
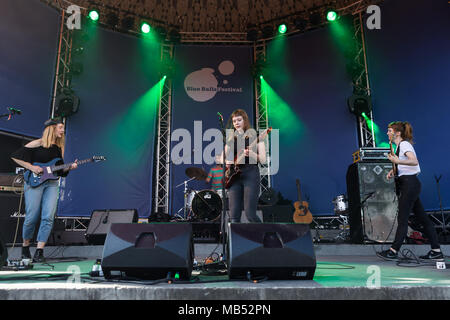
point(301, 213)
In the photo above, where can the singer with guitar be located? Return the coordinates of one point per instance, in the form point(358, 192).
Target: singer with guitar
point(41, 201)
point(406, 165)
point(243, 152)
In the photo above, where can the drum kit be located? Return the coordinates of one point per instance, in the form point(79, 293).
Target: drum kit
point(200, 205)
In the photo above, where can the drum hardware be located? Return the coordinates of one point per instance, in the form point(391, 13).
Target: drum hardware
point(204, 205)
point(184, 208)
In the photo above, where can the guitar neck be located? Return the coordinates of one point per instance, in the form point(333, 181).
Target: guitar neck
point(67, 165)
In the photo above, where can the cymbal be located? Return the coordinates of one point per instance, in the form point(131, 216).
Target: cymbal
point(197, 173)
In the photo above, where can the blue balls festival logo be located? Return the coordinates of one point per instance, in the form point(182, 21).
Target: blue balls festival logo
point(202, 85)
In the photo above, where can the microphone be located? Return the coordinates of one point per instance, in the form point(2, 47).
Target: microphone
point(14, 111)
point(220, 116)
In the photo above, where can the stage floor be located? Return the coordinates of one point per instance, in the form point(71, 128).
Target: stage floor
point(343, 272)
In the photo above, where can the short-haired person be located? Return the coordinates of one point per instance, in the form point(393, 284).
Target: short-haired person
point(41, 201)
point(408, 191)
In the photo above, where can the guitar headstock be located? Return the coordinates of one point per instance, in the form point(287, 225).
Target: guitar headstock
point(98, 158)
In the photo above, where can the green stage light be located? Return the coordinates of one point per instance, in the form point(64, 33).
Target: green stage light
point(331, 15)
point(145, 27)
point(282, 28)
point(93, 15)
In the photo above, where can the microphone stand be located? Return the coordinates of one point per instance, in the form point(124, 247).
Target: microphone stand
point(224, 194)
point(444, 223)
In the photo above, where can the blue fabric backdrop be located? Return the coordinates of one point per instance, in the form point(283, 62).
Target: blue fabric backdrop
point(409, 70)
point(28, 49)
point(116, 119)
point(317, 133)
point(203, 67)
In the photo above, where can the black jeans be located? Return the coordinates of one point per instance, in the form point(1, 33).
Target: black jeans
point(408, 190)
point(243, 194)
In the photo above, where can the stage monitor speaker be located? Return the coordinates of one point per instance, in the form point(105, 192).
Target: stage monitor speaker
point(149, 250)
point(372, 202)
point(274, 250)
point(101, 221)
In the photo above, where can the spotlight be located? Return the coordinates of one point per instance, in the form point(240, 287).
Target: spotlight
point(174, 36)
point(112, 19)
point(282, 28)
point(66, 103)
point(145, 27)
point(300, 23)
point(127, 23)
point(161, 32)
point(93, 15)
point(267, 32)
point(359, 105)
point(332, 15)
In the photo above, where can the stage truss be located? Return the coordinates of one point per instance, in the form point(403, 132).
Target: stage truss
point(163, 161)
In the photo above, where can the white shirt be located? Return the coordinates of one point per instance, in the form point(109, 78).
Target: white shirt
point(404, 170)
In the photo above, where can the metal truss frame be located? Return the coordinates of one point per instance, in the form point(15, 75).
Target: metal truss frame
point(361, 81)
point(62, 78)
point(163, 161)
point(262, 115)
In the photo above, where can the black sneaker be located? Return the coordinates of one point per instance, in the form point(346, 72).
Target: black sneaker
point(26, 253)
point(39, 256)
point(433, 255)
point(387, 255)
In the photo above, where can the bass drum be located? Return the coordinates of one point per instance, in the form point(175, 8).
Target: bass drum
point(207, 205)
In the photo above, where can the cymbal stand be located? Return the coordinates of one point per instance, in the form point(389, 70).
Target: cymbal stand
point(186, 192)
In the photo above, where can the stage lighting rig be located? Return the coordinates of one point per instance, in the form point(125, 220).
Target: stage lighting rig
point(359, 104)
point(66, 103)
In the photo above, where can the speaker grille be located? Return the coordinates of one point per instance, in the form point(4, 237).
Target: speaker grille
point(372, 202)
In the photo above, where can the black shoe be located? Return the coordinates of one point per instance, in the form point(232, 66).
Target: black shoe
point(26, 252)
point(39, 256)
point(433, 255)
point(388, 255)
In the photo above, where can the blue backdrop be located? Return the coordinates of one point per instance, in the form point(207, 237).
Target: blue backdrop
point(209, 80)
point(308, 104)
point(409, 70)
point(116, 119)
point(28, 49)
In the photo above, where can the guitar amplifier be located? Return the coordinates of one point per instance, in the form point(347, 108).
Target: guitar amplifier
point(371, 154)
point(11, 182)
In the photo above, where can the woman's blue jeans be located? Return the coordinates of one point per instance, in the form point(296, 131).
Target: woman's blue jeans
point(40, 202)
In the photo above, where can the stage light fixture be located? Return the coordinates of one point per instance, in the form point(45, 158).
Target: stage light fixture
point(359, 105)
point(66, 103)
point(332, 15)
point(93, 15)
point(127, 23)
point(252, 32)
point(267, 31)
point(282, 28)
point(145, 27)
point(300, 23)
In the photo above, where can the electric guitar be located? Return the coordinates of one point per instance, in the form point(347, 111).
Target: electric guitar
point(301, 213)
point(233, 171)
point(50, 168)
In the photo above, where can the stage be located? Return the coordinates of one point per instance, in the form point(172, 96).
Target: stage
point(343, 272)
